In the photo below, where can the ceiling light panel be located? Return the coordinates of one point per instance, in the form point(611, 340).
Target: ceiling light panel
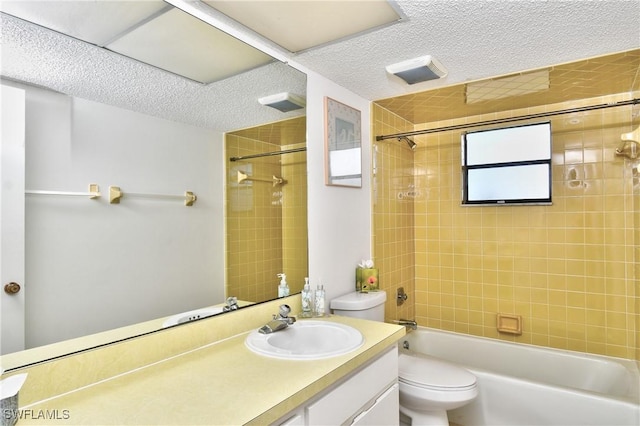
point(95, 22)
point(181, 44)
point(303, 24)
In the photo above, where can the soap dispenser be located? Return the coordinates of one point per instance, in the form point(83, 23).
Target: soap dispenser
point(307, 299)
point(283, 288)
point(319, 301)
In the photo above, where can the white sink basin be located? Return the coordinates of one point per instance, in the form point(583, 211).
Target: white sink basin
point(191, 315)
point(306, 339)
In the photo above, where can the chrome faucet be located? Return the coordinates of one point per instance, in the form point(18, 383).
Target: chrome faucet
point(279, 322)
point(407, 323)
point(231, 304)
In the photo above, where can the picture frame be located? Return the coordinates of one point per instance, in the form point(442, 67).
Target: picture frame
point(343, 145)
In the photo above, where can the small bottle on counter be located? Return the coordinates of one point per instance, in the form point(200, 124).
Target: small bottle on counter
point(319, 301)
point(307, 299)
point(283, 288)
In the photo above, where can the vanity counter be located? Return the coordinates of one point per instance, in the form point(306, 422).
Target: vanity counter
point(219, 383)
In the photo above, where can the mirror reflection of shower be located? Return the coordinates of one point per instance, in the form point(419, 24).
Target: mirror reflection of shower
point(630, 146)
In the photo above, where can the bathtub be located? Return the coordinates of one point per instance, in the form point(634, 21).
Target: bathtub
point(529, 385)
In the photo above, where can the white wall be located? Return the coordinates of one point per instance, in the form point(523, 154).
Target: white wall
point(93, 266)
point(339, 217)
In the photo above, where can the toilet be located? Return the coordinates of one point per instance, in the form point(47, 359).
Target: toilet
point(428, 386)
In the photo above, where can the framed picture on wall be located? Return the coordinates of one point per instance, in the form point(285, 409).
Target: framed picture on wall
point(343, 145)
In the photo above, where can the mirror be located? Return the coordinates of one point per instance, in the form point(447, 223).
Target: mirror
point(117, 122)
point(266, 209)
point(343, 145)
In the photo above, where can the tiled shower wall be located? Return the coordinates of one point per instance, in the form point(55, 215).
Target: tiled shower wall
point(295, 256)
point(393, 214)
point(265, 224)
point(253, 224)
point(569, 269)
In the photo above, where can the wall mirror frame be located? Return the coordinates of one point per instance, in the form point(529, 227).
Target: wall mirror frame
point(245, 96)
point(343, 145)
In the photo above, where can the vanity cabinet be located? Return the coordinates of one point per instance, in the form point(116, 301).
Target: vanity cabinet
point(368, 396)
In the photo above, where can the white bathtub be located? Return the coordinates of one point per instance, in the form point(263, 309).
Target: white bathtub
point(530, 386)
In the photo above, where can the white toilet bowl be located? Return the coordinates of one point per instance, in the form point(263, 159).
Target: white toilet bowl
point(429, 387)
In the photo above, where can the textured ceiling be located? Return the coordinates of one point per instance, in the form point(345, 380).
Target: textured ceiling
point(476, 39)
point(472, 39)
point(41, 57)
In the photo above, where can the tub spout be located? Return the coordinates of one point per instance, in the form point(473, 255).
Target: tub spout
point(407, 323)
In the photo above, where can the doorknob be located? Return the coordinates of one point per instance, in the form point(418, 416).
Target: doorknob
point(12, 288)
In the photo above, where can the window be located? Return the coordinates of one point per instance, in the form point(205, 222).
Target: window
point(507, 166)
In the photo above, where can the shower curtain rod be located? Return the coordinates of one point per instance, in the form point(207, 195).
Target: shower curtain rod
point(509, 119)
point(268, 154)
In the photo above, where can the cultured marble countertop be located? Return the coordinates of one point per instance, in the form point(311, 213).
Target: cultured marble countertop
point(220, 383)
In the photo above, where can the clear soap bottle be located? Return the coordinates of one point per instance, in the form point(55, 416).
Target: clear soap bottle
point(307, 299)
point(283, 288)
point(319, 301)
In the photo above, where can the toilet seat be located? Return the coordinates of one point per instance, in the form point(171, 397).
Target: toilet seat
point(429, 387)
point(433, 374)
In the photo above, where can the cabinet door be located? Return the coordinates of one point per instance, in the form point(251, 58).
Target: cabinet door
point(353, 395)
point(385, 411)
point(296, 419)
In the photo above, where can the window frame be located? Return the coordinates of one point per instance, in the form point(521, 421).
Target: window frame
point(497, 165)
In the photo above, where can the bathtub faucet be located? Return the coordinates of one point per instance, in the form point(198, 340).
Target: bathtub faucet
point(407, 323)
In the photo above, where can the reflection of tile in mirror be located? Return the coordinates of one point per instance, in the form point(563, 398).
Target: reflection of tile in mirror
point(241, 199)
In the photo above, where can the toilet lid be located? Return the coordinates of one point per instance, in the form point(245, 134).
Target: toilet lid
point(428, 372)
point(356, 301)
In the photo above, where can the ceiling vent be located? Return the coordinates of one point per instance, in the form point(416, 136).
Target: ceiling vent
point(418, 70)
point(283, 102)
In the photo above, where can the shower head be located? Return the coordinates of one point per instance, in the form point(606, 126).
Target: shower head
point(409, 142)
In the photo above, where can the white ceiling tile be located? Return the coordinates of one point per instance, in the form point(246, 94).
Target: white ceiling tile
point(96, 22)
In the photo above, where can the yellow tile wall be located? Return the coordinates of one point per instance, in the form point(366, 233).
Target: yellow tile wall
point(393, 214)
point(252, 225)
point(263, 232)
point(295, 258)
point(570, 270)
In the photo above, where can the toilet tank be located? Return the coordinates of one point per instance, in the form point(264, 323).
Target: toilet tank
point(361, 305)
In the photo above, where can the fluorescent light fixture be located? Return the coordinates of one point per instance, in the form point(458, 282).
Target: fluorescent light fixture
point(95, 22)
point(506, 87)
point(417, 70)
point(301, 25)
point(176, 42)
point(283, 102)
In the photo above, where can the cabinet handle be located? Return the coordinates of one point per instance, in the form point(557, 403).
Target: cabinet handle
point(12, 288)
